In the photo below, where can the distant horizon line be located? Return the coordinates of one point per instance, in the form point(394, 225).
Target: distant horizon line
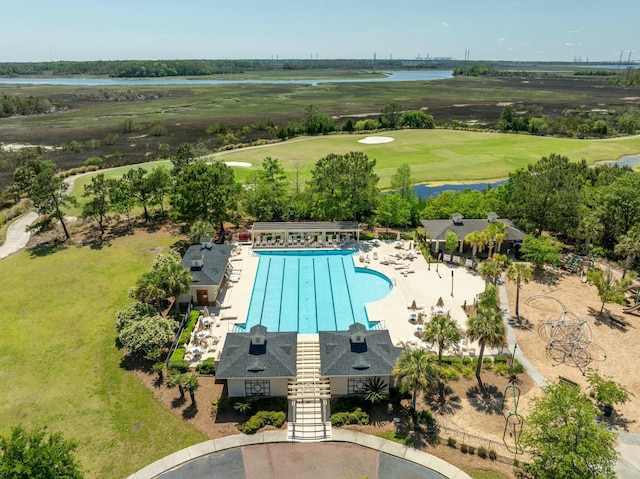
point(371, 59)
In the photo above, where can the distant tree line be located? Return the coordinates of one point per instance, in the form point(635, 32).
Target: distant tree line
point(164, 68)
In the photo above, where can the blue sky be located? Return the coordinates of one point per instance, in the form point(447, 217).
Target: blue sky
point(552, 30)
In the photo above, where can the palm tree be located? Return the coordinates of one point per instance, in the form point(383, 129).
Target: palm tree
point(191, 383)
point(414, 372)
point(486, 327)
point(519, 272)
point(177, 380)
point(176, 279)
point(496, 232)
point(476, 241)
point(441, 330)
point(490, 271)
point(629, 246)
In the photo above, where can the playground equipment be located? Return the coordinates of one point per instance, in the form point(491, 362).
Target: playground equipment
point(568, 336)
point(577, 264)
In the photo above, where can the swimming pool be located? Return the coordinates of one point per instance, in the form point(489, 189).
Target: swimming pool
point(311, 291)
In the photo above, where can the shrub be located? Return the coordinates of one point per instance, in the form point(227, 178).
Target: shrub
point(208, 366)
point(467, 371)
point(179, 366)
point(348, 404)
point(261, 419)
point(451, 442)
point(93, 161)
point(464, 448)
point(455, 360)
point(449, 373)
point(499, 359)
point(471, 449)
point(501, 368)
point(466, 361)
point(492, 454)
point(133, 312)
point(356, 417)
point(275, 403)
point(482, 452)
point(426, 418)
point(243, 405)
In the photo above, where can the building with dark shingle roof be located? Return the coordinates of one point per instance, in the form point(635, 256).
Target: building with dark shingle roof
point(258, 363)
point(206, 263)
point(437, 231)
point(350, 358)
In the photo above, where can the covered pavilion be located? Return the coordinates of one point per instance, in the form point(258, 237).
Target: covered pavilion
point(320, 234)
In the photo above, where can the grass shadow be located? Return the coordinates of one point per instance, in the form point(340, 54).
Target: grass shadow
point(487, 400)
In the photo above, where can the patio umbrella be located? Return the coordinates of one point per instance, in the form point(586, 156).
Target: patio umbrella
point(398, 236)
point(440, 303)
point(206, 311)
point(414, 306)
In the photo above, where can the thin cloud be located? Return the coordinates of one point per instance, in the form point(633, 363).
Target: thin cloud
point(569, 44)
point(445, 24)
point(573, 31)
point(501, 39)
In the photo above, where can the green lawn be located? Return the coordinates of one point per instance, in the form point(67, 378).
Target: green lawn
point(60, 364)
point(482, 474)
point(434, 155)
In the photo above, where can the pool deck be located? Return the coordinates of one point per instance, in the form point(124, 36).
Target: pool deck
point(424, 285)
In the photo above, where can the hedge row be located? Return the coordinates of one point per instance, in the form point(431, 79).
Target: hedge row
point(356, 417)
point(188, 328)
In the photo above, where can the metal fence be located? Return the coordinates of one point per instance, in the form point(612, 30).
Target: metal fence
point(504, 454)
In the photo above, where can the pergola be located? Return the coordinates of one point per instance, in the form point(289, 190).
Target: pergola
point(320, 234)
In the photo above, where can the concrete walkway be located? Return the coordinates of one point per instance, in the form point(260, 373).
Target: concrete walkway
point(269, 455)
point(628, 465)
point(17, 235)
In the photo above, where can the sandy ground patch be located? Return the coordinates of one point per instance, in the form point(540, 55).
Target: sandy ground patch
point(615, 339)
point(374, 140)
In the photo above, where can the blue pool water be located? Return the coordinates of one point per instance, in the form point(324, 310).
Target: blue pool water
point(311, 291)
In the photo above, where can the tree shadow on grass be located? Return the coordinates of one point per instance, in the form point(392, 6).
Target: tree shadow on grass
point(487, 401)
point(46, 249)
point(607, 319)
point(131, 362)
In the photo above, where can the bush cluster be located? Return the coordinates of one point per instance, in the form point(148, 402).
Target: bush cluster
point(208, 366)
point(356, 417)
point(261, 419)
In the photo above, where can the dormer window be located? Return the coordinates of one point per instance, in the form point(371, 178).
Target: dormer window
point(357, 338)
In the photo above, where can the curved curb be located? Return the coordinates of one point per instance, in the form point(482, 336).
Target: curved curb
point(384, 446)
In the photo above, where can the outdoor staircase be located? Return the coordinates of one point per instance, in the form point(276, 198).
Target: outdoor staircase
point(309, 394)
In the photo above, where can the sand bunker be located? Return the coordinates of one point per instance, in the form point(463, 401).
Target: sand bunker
point(238, 163)
point(374, 140)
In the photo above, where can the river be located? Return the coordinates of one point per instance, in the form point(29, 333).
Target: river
point(396, 76)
